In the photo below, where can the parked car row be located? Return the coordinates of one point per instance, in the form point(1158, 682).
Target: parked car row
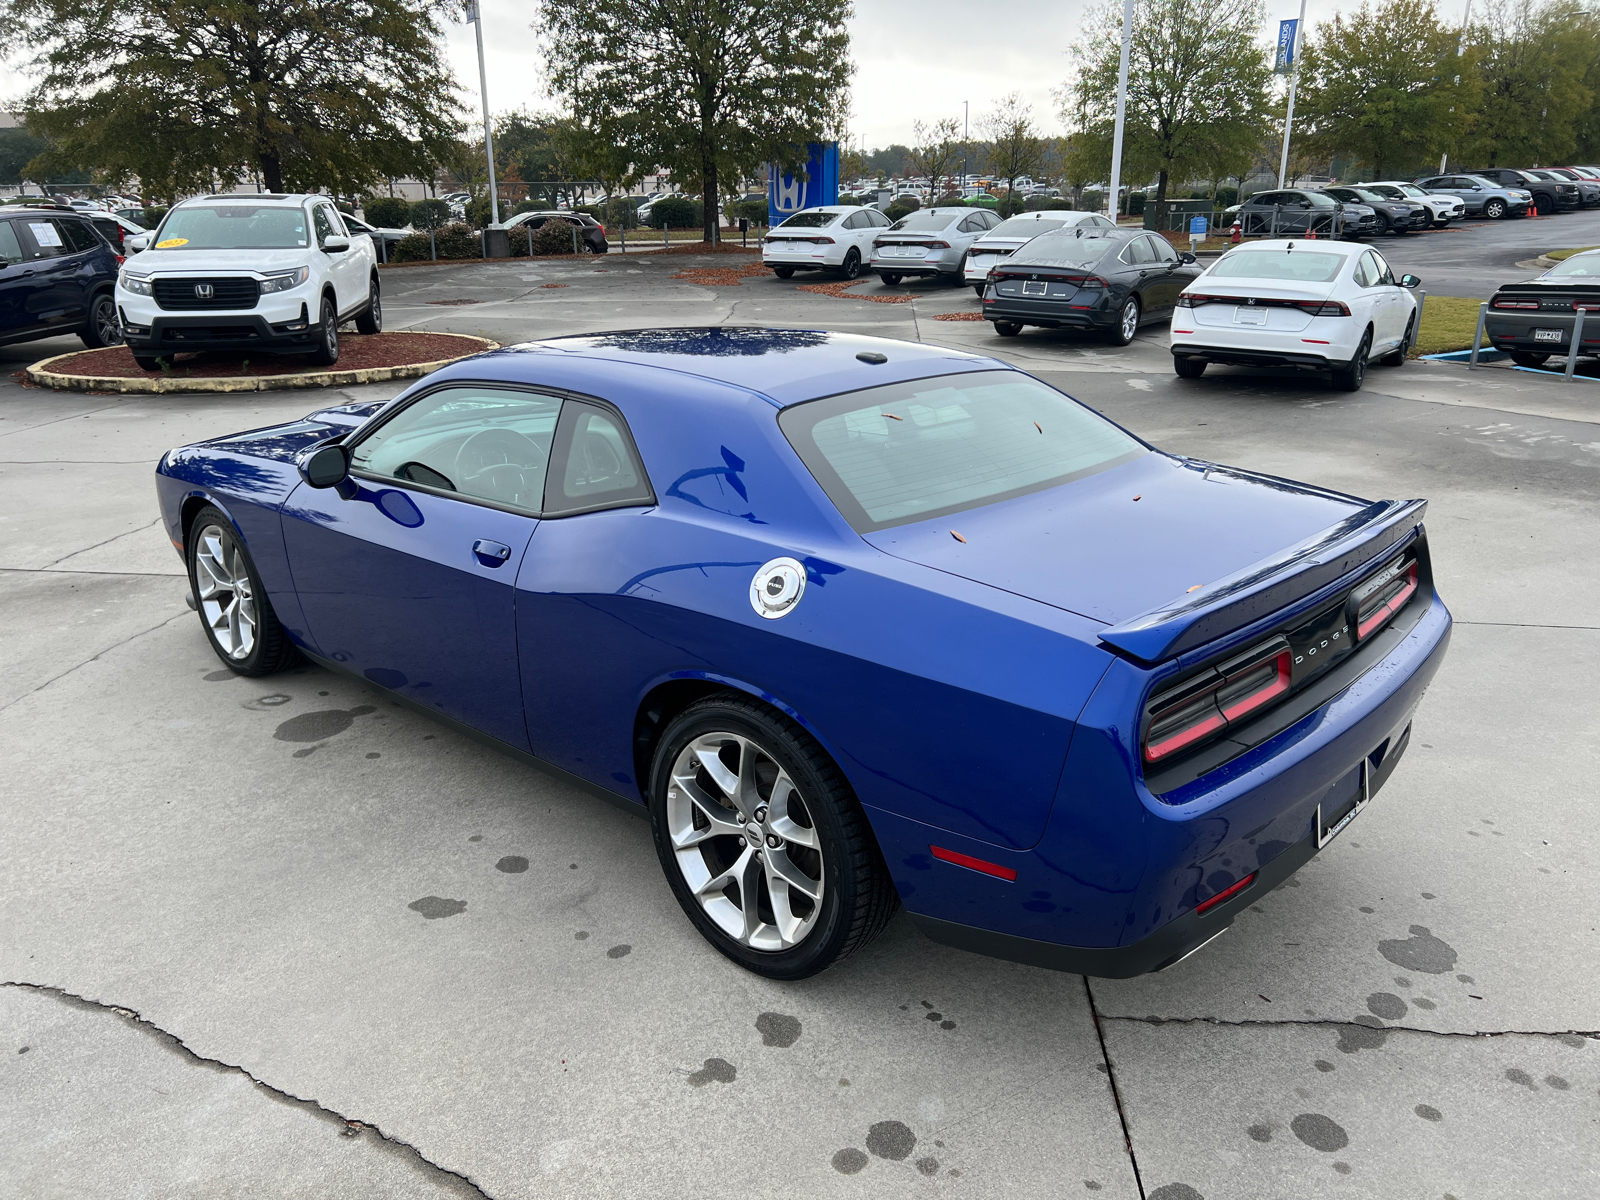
point(57, 275)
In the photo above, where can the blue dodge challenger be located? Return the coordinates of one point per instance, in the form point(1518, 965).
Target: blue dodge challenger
point(856, 623)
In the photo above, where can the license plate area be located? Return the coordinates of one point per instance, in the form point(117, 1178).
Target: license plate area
point(1034, 287)
point(1249, 316)
point(1345, 801)
point(1547, 335)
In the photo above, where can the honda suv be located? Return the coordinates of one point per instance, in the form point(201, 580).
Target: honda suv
point(275, 273)
point(56, 276)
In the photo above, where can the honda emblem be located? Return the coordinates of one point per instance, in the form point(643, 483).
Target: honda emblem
point(1252, 299)
point(204, 291)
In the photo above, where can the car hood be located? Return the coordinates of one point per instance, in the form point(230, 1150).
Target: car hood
point(1125, 541)
point(195, 262)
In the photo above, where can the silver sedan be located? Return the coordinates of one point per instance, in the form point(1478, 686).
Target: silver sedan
point(931, 241)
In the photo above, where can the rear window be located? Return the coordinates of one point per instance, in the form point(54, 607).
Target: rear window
point(1024, 227)
point(925, 219)
point(810, 220)
point(1300, 266)
point(909, 451)
point(1074, 249)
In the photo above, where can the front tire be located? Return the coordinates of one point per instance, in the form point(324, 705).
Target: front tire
point(147, 362)
point(1494, 209)
point(102, 328)
point(1397, 356)
point(763, 842)
point(234, 609)
point(1189, 368)
point(783, 272)
point(327, 351)
point(1350, 378)
point(1127, 326)
point(1527, 358)
point(371, 321)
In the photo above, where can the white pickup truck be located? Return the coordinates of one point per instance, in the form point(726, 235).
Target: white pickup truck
point(271, 273)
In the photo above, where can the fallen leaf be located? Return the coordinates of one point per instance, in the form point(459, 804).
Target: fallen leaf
point(958, 537)
point(1039, 427)
point(1140, 496)
point(1196, 588)
point(892, 417)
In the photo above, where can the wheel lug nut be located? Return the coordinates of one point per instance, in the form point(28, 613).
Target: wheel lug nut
point(774, 840)
point(761, 813)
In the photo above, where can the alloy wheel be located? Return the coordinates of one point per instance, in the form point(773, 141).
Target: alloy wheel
point(222, 587)
point(107, 329)
point(744, 841)
point(330, 329)
point(1130, 320)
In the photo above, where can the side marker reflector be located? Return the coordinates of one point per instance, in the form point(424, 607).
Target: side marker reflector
point(1206, 906)
point(976, 864)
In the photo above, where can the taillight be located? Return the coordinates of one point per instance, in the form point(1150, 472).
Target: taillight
point(1092, 281)
point(1196, 709)
point(1582, 306)
point(1184, 301)
point(1516, 304)
point(1382, 596)
point(1324, 308)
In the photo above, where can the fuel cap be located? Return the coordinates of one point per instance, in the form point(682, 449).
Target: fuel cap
point(777, 588)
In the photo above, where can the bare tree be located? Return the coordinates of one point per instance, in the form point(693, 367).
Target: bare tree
point(935, 153)
point(1015, 147)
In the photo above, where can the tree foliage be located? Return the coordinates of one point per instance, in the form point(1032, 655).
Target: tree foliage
point(1380, 86)
point(708, 90)
point(1197, 88)
point(1532, 63)
point(18, 148)
point(936, 152)
point(1015, 147)
point(189, 94)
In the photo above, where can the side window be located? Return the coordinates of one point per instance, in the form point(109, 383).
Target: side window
point(596, 465)
point(970, 225)
point(858, 221)
point(78, 236)
point(1381, 265)
point(1103, 222)
point(1137, 251)
point(320, 222)
point(46, 238)
point(880, 220)
point(1367, 271)
point(482, 443)
point(10, 248)
point(1164, 250)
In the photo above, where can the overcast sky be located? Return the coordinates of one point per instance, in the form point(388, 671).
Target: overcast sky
point(915, 59)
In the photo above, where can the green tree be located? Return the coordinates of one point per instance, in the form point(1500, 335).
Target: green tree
point(18, 148)
point(1197, 86)
point(935, 155)
point(1015, 147)
point(1532, 64)
point(709, 89)
point(1380, 89)
point(187, 94)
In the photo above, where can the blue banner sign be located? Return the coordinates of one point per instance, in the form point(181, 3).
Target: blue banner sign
point(788, 194)
point(1197, 228)
point(1286, 47)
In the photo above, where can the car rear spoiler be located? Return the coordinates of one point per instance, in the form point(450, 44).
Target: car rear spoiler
point(1263, 588)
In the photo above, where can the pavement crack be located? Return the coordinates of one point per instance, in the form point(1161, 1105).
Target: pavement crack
point(1318, 1023)
point(92, 658)
point(1116, 1094)
point(142, 1023)
point(106, 542)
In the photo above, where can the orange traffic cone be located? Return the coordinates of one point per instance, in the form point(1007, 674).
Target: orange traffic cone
point(1311, 234)
point(1533, 210)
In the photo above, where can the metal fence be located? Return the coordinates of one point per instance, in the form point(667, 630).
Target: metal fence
point(1279, 221)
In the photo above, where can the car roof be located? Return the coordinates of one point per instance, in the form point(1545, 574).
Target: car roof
point(1321, 245)
point(286, 199)
point(787, 366)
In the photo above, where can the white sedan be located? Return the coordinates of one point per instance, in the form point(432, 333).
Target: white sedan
point(1015, 232)
point(1442, 206)
point(1324, 306)
point(833, 237)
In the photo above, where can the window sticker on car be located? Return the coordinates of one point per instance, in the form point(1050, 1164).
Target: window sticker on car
point(44, 233)
point(170, 243)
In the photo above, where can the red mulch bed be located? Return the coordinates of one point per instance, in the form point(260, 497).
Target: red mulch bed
point(958, 316)
point(698, 248)
point(838, 292)
point(722, 276)
point(356, 352)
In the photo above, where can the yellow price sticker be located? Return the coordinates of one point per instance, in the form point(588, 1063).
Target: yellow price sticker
point(171, 242)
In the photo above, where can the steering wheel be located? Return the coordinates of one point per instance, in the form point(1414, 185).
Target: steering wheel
point(502, 464)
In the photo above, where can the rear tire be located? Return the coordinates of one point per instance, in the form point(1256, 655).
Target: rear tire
point(978, 290)
point(1189, 368)
point(852, 265)
point(819, 890)
point(1527, 358)
point(1350, 378)
point(327, 351)
point(783, 272)
point(371, 321)
point(102, 328)
point(234, 608)
point(1007, 328)
point(890, 278)
point(1127, 326)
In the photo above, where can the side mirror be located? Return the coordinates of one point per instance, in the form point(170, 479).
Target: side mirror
point(328, 467)
point(1187, 258)
point(1410, 281)
point(335, 243)
point(136, 243)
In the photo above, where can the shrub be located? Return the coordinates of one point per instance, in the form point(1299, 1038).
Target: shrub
point(755, 211)
point(414, 247)
point(459, 241)
point(1136, 203)
point(553, 237)
point(622, 212)
point(430, 214)
point(676, 212)
point(1058, 203)
point(152, 217)
point(1227, 197)
point(388, 212)
point(909, 203)
point(950, 200)
point(478, 214)
point(526, 206)
point(897, 211)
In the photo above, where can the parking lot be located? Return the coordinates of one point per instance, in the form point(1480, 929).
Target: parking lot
point(283, 937)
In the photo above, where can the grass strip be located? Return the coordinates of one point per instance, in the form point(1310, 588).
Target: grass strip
point(1448, 323)
point(1558, 255)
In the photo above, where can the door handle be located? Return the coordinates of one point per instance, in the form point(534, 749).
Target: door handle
point(490, 554)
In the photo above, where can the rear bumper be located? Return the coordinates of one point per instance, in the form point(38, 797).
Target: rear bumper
point(1052, 315)
point(1240, 356)
point(1516, 332)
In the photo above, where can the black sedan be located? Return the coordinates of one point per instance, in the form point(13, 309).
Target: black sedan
point(1533, 320)
point(1394, 216)
point(1105, 280)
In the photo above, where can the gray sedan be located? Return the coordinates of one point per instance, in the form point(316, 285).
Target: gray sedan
point(929, 242)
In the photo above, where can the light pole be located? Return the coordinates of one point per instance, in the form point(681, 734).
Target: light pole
point(1294, 79)
point(1122, 109)
point(965, 142)
point(1461, 48)
point(488, 137)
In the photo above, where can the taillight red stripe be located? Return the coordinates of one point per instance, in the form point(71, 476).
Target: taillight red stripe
point(1272, 691)
point(1392, 606)
point(1186, 737)
point(1206, 906)
point(973, 864)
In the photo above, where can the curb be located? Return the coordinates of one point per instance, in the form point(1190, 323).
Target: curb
point(41, 374)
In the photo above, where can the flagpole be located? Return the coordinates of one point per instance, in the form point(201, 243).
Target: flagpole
point(1122, 108)
point(476, 18)
point(1294, 79)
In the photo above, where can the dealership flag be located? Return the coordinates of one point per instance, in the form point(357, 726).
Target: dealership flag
point(1285, 62)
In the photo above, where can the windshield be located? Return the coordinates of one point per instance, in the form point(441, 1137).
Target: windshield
point(1300, 266)
point(809, 220)
point(233, 227)
point(907, 451)
point(1587, 265)
point(1385, 191)
point(1024, 227)
point(1066, 248)
point(925, 219)
point(1318, 200)
point(1410, 189)
point(1370, 195)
